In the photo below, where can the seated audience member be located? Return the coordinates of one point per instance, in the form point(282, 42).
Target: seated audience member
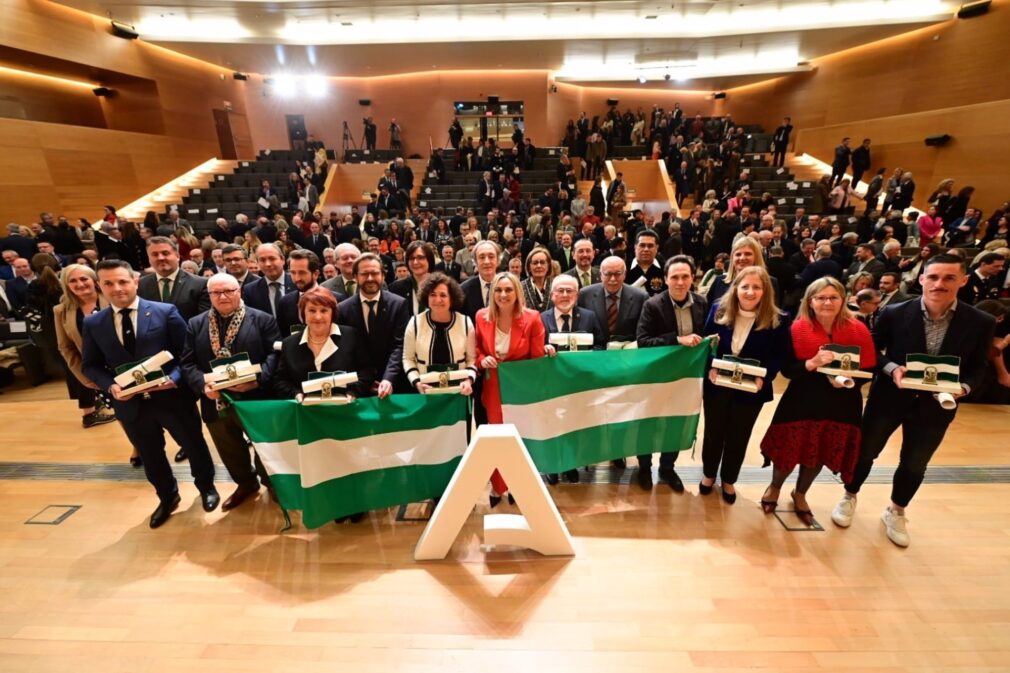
point(228, 328)
point(984, 280)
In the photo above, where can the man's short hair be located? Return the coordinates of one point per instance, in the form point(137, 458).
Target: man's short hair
point(109, 264)
point(945, 258)
point(366, 257)
point(228, 249)
point(990, 257)
point(776, 251)
point(276, 248)
point(162, 240)
point(867, 294)
point(679, 259)
point(646, 232)
point(312, 258)
point(865, 246)
point(892, 274)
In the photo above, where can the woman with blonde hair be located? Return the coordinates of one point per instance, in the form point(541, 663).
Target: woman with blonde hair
point(817, 421)
point(746, 252)
point(80, 299)
point(505, 330)
point(749, 325)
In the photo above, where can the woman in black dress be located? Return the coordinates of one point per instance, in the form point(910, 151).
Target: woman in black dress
point(817, 421)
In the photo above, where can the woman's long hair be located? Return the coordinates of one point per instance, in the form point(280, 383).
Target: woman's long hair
point(745, 242)
point(45, 268)
point(69, 300)
point(807, 312)
point(767, 313)
point(492, 306)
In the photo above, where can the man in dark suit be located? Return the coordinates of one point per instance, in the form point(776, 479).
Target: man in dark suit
point(476, 295)
point(567, 317)
point(584, 272)
point(866, 261)
point(448, 266)
point(674, 317)
point(23, 245)
point(860, 162)
point(134, 329)
point(227, 329)
point(843, 155)
point(383, 317)
point(617, 305)
point(317, 241)
point(782, 271)
point(485, 194)
point(824, 266)
point(890, 289)
point(564, 254)
point(169, 283)
point(344, 282)
point(937, 324)
point(17, 287)
point(780, 142)
point(645, 271)
point(265, 292)
point(614, 186)
point(303, 266)
point(236, 262)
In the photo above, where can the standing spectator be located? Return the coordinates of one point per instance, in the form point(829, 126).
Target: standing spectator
point(860, 162)
point(841, 161)
point(780, 142)
point(370, 133)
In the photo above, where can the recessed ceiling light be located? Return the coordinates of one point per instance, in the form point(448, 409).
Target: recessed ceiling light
point(346, 23)
point(651, 16)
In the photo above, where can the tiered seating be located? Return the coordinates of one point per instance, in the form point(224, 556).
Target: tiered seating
point(778, 182)
point(460, 188)
point(237, 193)
point(371, 156)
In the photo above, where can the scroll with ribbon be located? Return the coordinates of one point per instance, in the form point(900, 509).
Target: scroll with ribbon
point(738, 373)
point(940, 374)
point(136, 377)
point(845, 367)
point(443, 379)
point(328, 387)
point(231, 371)
point(571, 341)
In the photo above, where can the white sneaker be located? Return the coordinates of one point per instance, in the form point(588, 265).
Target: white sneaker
point(895, 525)
point(843, 512)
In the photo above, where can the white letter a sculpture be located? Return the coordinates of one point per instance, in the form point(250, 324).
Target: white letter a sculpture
point(539, 528)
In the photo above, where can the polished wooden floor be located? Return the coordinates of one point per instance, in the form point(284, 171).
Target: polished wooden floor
point(660, 582)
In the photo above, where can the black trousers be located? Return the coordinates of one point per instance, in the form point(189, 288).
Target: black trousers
point(837, 175)
point(728, 427)
point(857, 175)
point(779, 155)
point(667, 460)
point(923, 425)
point(147, 433)
point(229, 439)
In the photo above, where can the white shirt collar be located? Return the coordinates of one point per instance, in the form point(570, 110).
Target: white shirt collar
point(655, 263)
point(374, 297)
point(328, 349)
point(172, 276)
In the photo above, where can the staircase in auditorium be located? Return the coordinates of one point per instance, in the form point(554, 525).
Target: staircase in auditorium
point(172, 192)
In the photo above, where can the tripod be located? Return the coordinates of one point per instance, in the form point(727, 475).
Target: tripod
point(348, 139)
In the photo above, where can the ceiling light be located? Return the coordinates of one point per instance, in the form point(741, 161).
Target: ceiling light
point(285, 86)
point(315, 86)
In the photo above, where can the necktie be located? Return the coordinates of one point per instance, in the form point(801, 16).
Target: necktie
point(369, 314)
point(275, 293)
point(129, 336)
point(566, 325)
point(585, 279)
point(611, 314)
point(350, 286)
point(487, 293)
point(166, 289)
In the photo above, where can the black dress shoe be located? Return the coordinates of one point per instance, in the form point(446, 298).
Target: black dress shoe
point(358, 518)
point(645, 478)
point(552, 478)
point(239, 496)
point(95, 418)
point(620, 463)
point(165, 509)
point(136, 461)
point(703, 489)
point(730, 498)
point(572, 476)
point(211, 499)
point(673, 479)
point(181, 455)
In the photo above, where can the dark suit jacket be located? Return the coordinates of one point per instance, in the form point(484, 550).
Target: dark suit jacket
point(658, 324)
point(296, 362)
point(287, 311)
point(453, 270)
point(17, 291)
point(257, 293)
point(900, 330)
point(874, 266)
point(24, 246)
point(384, 342)
point(473, 296)
point(160, 327)
point(583, 320)
point(819, 269)
point(256, 337)
point(770, 346)
point(559, 257)
point(321, 243)
point(629, 310)
point(594, 275)
point(189, 293)
point(403, 288)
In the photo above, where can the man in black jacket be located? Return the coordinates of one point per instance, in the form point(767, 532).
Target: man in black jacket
point(841, 162)
point(169, 283)
point(228, 329)
point(937, 324)
point(860, 162)
point(676, 316)
point(780, 142)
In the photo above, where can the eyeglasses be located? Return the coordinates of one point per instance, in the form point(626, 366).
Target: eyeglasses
point(222, 293)
point(825, 300)
point(612, 274)
point(564, 290)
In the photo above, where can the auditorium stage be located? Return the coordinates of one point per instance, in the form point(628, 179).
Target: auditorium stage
point(660, 581)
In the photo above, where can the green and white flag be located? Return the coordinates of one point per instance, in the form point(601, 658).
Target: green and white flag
point(582, 408)
point(333, 461)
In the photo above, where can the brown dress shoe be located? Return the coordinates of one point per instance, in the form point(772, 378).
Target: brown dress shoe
point(238, 497)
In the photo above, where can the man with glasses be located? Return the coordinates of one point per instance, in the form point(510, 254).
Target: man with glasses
point(236, 262)
point(227, 329)
point(345, 282)
point(382, 316)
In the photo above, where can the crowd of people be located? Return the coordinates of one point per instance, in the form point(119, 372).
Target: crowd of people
point(392, 294)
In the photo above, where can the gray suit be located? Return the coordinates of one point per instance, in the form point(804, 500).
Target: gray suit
point(336, 284)
point(629, 309)
point(594, 275)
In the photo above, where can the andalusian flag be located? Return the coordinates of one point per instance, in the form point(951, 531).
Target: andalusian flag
point(332, 461)
point(585, 407)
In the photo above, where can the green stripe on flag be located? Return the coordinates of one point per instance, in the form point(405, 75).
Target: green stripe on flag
point(529, 381)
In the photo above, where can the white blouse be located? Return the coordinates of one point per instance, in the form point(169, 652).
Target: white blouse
point(741, 330)
point(501, 343)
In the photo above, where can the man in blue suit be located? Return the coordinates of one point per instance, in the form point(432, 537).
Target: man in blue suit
point(133, 329)
point(566, 316)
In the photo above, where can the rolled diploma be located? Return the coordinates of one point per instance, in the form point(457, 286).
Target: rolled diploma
point(947, 401)
point(845, 381)
point(156, 361)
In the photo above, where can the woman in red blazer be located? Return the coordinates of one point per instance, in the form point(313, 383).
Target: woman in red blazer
point(505, 330)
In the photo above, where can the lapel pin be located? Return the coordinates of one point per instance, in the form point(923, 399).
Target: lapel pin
point(147, 314)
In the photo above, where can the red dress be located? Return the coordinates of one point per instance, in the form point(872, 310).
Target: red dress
point(526, 341)
point(816, 423)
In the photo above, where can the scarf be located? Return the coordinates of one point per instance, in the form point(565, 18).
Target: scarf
point(223, 350)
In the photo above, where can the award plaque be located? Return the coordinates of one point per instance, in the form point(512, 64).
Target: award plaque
point(565, 342)
point(140, 376)
point(231, 371)
point(443, 380)
point(845, 367)
point(327, 388)
point(738, 373)
point(939, 374)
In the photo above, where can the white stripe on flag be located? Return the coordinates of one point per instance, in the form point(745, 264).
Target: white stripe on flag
point(327, 459)
point(940, 368)
point(568, 413)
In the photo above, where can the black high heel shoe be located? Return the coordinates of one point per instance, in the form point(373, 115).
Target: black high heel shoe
point(768, 506)
point(728, 498)
point(705, 490)
point(136, 461)
point(804, 515)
